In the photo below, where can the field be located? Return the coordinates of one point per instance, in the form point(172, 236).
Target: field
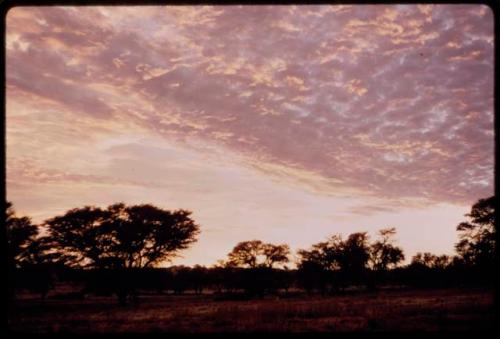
point(401, 310)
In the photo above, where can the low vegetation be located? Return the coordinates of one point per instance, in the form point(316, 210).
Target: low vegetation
point(403, 310)
point(90, 256)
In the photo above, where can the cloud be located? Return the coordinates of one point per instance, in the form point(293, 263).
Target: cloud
point(392, 101)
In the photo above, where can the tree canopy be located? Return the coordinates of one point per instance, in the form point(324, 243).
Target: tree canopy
point(20, 234)
point(121, 236)
point(350, 255)
point(430, 260)
point(348, 260)
point(255, 253)
point(355, 254)
point(383, 253)
point(477, 236)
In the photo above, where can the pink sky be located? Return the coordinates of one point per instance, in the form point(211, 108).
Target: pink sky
point(280, 123)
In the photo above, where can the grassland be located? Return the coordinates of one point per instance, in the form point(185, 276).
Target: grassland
point(403, 310)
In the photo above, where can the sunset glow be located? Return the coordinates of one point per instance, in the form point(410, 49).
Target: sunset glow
point(280, 123)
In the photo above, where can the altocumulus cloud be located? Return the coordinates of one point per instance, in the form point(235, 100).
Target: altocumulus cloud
point(392, 101)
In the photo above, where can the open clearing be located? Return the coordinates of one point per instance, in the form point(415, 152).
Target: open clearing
point(403, 310)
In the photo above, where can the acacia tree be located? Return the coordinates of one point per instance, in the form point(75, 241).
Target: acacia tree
point(20, 234)
point(477, 235)
point(326, 255)
point(28, 265)
point(275, 254)
point(383, 253)
point(245, 253)
point(336, 260)
point(430, 260)
point(121, 236)
point(255, 253)
point(318, 264)
point(354, 257)
point(442, 261)
point(423, 259)
point(81, 237)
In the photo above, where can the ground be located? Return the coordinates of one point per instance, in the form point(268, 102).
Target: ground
point(399, 310)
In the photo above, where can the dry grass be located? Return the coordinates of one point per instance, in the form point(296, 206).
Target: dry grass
point(454, 310)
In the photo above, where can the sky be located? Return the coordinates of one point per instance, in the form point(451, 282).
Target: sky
point(285, 124)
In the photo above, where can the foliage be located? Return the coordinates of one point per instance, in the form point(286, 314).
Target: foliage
point(477, 236)
point(383, 253)
point(275, 254)
point(325, 255)
point(28, 265)
point(122, 244)
point(248, 253)
point(355, 255)
point(121, 236)
point(335, 262)
point(430, 260)
point(20, 234)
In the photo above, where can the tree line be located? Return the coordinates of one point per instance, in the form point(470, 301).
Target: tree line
point(116, 250)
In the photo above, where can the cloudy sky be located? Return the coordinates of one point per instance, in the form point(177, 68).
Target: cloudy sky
point(280, 123)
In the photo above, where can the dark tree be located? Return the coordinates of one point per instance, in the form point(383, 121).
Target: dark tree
point(430, 270)
point(180, 279)
point(252, 263)
point(121, 236)
point(354, 257)
point(81, 237)
point(199, 277)
point(383, 253)
point(246, 253)
point(28, 264)
point(477, 236)
point(318, 266)
point(442, 262)
point(20, 234)
point(255, 253)
point(275, 254)
point(383, 256)
point(325, 254)
point(428, 260)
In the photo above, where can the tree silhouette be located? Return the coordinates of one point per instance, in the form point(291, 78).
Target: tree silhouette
point(430, 260)
point(28, 265)
point(326, 255)
point(422, 259)
point(321, 266)
point(81, 237)
point(442, 261)
point(121, 236)
point(252, 263)
point(245, 253)
point(354, 257)
point(275, 254)
point(383, 253)
point(478, 235)
point(430, 270)
point(20, 234)
point(248, 253)
point(121, 245)
point(335, 262)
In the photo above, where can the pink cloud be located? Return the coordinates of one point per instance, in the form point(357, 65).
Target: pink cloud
point(300, 83)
